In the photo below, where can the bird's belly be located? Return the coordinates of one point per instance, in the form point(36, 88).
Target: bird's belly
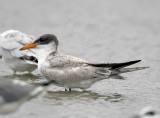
point(84, 84)
point(68, 78)
point(70, 81)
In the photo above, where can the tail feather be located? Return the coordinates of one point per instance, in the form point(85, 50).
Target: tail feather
point(122, 65)
point(125, 70)
point(113, 66)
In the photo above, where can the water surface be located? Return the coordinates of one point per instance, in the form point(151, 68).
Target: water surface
point(98, 31)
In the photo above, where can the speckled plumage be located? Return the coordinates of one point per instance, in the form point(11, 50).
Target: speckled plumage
point(72, 72)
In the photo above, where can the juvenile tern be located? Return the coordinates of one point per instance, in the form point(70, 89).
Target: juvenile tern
point(68, 71)
point(13, 93)
point(18, 61)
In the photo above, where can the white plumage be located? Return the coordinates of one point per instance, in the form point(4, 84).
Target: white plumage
point(72, 72)
point(10, 42)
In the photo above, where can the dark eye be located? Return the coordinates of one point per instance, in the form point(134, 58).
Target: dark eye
point(151, 113)
point(42, 39)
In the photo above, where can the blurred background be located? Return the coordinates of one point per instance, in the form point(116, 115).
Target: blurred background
point(98, 31)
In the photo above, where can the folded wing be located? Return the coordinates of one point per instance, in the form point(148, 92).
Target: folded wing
point(63, 68)
point(11, 41)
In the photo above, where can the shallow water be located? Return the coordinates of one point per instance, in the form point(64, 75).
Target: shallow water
point(98, 31)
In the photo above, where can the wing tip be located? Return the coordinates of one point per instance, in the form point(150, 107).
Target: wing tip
point(125, 64)
point(136, 61)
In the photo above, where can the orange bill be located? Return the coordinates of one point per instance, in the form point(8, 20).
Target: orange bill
point(29, 46)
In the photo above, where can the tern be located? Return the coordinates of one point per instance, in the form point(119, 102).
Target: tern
point(68, 71)
point(13, 93)
point(17, 61)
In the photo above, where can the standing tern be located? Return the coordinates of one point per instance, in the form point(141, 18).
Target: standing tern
point(68, 71)
point(13, 93)
point(18, 61)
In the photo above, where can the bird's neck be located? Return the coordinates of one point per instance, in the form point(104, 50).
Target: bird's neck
point(42, 57)
point(43, 54)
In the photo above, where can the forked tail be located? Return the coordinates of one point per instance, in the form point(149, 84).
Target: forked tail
point(118, 68)
point(125, 70)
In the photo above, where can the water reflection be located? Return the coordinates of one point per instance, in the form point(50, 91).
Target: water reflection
point(117, 77)
point(71, 95)
point(25, 77)
point(82, 95)
point(33, 77)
